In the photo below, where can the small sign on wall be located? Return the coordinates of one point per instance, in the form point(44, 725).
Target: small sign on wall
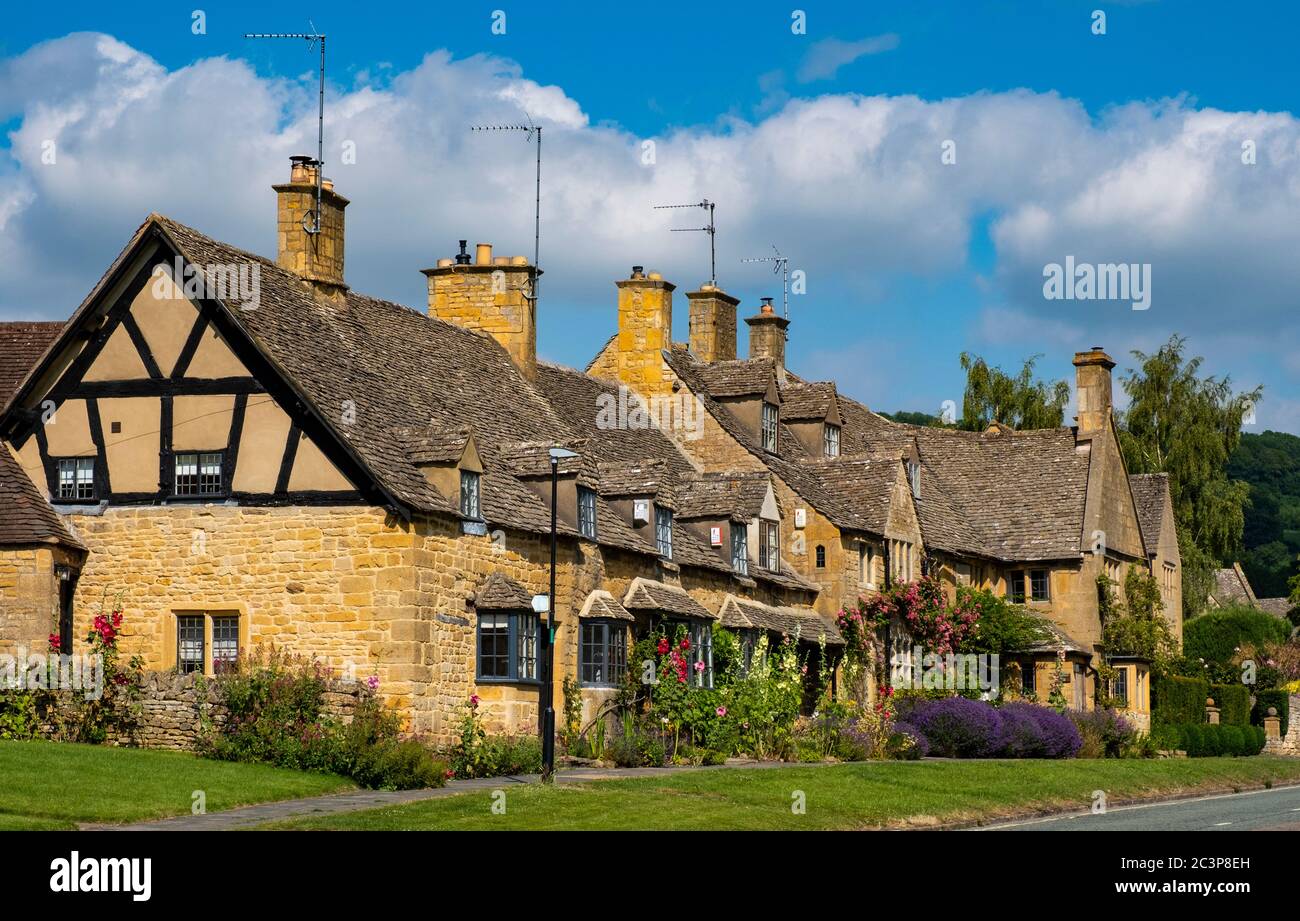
point(800, 517)
point(715, 536)
point(641, 511)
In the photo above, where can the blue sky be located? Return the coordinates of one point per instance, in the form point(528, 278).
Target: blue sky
point(1114, 147)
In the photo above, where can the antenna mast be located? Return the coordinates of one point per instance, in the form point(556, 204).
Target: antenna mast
point(782, 265)
point(529, 130)
point(711, 229)
point(311, 37)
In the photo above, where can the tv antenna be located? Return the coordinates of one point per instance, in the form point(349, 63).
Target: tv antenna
point(779, 264)
point(310, 38)
point(530, 130)
point(711, 229)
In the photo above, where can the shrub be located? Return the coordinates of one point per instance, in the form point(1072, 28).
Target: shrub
point(1233, 701)
point(1031, 731)
point(956, 727)
point(1176, 700)
point(19, 719)
point(1166, 738)
point(906, 743)
point(1215, 635)
point(1209, 741)
point(1274, 698)
point(1104, 734)
point(476, 754)
point(634, 747)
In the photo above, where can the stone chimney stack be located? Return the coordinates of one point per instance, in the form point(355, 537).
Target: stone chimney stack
point(645, 328)
point(317, 257)
point(713, 324)
point(489, 294)
point(767, 335)
point(1093, 389)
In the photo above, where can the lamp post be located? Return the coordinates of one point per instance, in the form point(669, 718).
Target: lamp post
point(548, 634)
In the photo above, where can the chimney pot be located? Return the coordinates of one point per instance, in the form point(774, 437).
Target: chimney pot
point(483, 254)
point(638, 271)
point(462, 258)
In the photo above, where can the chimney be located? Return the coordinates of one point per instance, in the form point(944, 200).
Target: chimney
point(490, 295)
point(645, 328)
point(767, 335)
point(1092, 389)
point(713, 324)
point(317, 257)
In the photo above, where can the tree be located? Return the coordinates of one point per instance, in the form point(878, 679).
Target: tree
point(1186, 425)
point(1021, 402)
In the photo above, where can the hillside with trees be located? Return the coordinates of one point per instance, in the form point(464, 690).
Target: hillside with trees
point(1270, 464)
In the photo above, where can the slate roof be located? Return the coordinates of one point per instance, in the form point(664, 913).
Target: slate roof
point(735, 496)
point(1232, 587)
point(1149, 491)
point(26, 517)
point(1052, 638)
point(502, 593)
point(601, 604)
point(1278, 607)
point(741, 613)
point(428, 445)
point(807, 401)
point(21, 344)
point(742, 377)
point(660, 597)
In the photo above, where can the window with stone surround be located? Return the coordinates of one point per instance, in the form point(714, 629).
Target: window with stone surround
point(507, 646)
point(771, 421)
point(604, 653)
point(469, 495)
point(207, 642)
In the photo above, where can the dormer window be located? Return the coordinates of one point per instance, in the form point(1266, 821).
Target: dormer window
point(664, 532)
point(771, 420)
point(739, 550)
point(469, 495)
point(769, 549)
point(914, 478)
point(587, 512)
point(831, 440)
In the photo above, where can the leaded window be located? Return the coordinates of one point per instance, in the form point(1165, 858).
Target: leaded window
point(469, 494)
point(771, 420)
point(76, 478)
point(189, 643)
point(199, 474)
point(702, 646)
point(769, 549)
point(604, 653)
point(587, 512)
point(225, 642)
point(831, 440)
point(739, 549)
point(664, 532)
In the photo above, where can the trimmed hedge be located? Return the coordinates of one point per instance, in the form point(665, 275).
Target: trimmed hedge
point(1206, 741)
point(1233, 701)
point(1215, 635)
point(1176, 700)
point(1272, 698)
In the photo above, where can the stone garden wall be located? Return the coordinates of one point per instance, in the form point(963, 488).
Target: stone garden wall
point(1289, 744)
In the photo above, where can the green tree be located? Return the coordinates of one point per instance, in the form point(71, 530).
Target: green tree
point(1188, 425)
point(1019, 401)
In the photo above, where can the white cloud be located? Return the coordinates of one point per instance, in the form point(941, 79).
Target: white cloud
point(824, 59)
point(851, 187)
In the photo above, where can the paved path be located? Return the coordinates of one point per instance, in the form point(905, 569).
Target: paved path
point(353, 801)
point(1257, 810)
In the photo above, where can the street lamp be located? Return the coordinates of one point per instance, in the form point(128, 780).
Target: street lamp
point(548, 635)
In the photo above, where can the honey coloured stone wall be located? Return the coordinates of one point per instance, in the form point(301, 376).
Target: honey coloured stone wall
point(29, 595)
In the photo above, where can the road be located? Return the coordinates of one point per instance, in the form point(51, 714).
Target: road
point(1260, 810)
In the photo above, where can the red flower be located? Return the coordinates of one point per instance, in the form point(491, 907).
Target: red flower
point(663, 645)
point(55, 642)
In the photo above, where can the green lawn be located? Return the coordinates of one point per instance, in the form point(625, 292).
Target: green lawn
point(837, 797)
point(50, 785)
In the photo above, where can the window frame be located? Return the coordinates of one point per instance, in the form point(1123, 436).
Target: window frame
point(831, 439)
point(223, 487)
point(1029, 677)
point(701, 634)
point(188, 665)
point(739, 549)
point(914, 478)
point(523, 642)
point(612, 645)
point(219, 640)
point(819, 556)
point(770, 426)
point(1033, 595)
point(471, 499)
point(78, 463)
point(1120, 681)
point(1017, 577)
point(663, 531)
point(867, 565)
point(587, 512)
point(769, 543)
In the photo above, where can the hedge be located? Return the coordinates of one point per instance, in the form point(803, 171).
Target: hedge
point(1233, 701)
point(1271, 698)
point(1207, 741)
point(1176, 700)
point(1215, 635)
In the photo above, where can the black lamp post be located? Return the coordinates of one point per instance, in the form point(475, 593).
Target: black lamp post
point(548, 634)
